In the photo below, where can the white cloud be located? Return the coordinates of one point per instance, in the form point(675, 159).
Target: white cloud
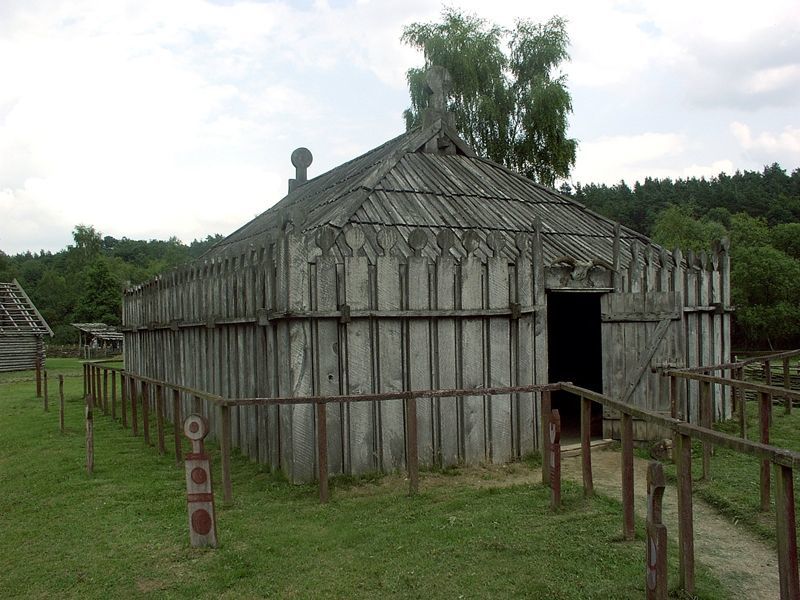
point(768, 143)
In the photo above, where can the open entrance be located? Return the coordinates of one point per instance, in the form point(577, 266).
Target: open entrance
point(575, 352)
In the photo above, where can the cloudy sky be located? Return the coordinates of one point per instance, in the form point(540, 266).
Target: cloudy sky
point(151, 118)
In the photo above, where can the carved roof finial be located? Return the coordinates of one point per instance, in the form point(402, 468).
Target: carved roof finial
point(438, 84)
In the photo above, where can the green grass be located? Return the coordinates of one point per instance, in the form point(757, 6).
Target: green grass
point(734, 485)
point(123, 532)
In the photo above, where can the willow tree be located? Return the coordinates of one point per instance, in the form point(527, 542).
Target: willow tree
point(511, 106)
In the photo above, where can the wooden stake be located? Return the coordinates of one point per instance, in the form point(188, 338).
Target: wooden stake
point(768, 381)
point(545, 408)
point(628, 531)
point(786, 529)
point(46, 393)
point(322, 451)
point(89, 435)
point(114, 395)
point(124, 386)
point(412, 455)
point(656, 580)
point(586, 446)
point(146, 412)
point(225, 449)
point(61, 403)
point(742, 406)
point(554, 459)
point(787, 383)
point(105, 391)
point(685, 515)
point(134, 407)
point(38, 376)
point(160, 419)
point(765, 400)
point(705, 421)
point(176, 420)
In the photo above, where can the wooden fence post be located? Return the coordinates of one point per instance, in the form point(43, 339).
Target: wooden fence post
point(114, 395)
point(85, 379)
point(586, 446)
point(225, 450)
point(176, 420)
point(322, 451)
point(160, 419)
point(685, 515)
point(89, 434)
point(123, 388)
point(628, 530)
point(61, 403)
point(134, 407)
point(38, 376)
point(554, 438)
point(412, 449)
point(787, 383)
point(764, 402)
point(46, 393)
point(544, 412)
point(706, 412)
point(105, 391)
point(656, 534)
point(146, 412)
point(786, 529)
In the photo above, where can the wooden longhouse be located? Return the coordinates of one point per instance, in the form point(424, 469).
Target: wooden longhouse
point(22, 330)
point(420, 265)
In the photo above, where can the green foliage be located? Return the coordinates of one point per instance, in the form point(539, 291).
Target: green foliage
point(786, 237)
point(511, 106)
point(676, 227)
point(84, 281)
point(747, 231)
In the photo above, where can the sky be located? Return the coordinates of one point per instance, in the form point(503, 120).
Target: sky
point(153, 118)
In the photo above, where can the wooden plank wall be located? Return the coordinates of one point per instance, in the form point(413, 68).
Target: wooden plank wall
point(233, 326)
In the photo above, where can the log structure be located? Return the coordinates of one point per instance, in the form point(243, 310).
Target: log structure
point(22, 330)
point(420, 265)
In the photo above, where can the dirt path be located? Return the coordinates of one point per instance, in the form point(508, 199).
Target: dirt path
point(747, 566)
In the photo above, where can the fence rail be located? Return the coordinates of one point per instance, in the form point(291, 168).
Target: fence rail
point(781, 461)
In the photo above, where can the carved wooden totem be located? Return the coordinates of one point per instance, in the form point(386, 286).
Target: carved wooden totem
point(199, 493)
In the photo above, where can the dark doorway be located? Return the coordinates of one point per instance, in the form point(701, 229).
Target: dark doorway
point(575, 351)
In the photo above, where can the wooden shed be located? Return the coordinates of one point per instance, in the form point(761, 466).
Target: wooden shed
point(22, 330)
point(98, 339)
point(420, 265)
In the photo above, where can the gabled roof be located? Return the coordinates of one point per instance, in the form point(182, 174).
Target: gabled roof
point(403, 184)
point(100, 330)
point(18, 315)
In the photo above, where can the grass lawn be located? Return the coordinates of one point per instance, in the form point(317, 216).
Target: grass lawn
point(734, 485)
point(123, 532)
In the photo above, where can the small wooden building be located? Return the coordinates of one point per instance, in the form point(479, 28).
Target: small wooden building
point(98, 339)
point(22, 330)
point(420, 265)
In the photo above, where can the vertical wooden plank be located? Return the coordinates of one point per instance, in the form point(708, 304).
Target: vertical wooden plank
point(472, 368)
point(322, 452)
point(390, 353)
point(680, 347)
point(500, 425)
point(725, 298)
point(160, 418)
point(628, 531)
point(764, 401)
point(524, 368)
point(685, 515)
point(721, 407)
point(61, 403)
point(419, 354)
point(705, 421)
point(693, 333)
point(361, 415)
point(446, 352)
point(412, 444)
point(177, 422)
point(540, 317)
point(554, 433)
point(146, 412)
point(327, 350)
point(786, 532)
point(546, 403)
point(124, 387)
point(586, 446)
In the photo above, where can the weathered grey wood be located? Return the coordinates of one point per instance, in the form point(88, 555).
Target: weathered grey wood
point(500, 426)
point(390, 353)
point(786, 529)
point(472, 366)
point(524, 367)
point(445, 351)
point(360, 417)
point(540, 359)
point(419, 356)
point(692, 333)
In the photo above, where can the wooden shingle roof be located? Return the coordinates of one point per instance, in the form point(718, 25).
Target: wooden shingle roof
point(402, 184)
point(18, 315)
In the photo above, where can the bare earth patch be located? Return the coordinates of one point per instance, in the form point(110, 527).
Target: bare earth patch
point(746, 565)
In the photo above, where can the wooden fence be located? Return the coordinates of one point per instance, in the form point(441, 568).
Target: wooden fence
point(150, 394)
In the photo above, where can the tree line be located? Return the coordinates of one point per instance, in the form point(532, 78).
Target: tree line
point(83, 283)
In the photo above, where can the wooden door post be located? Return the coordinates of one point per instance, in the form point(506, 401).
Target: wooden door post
point(544, 413)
